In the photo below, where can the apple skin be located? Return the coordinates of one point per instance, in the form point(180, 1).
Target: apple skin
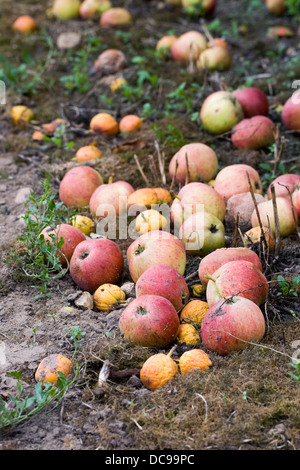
point(115, 16)
point(240, 278)
point(202, 233)
point(287, 224)
point(96, 261)
point(90, 9)
point(281, 183)
point(192, 194)
point(296, 200)
point(233, 179)
point(202, 163)
point(150, 321)
point(165, 281)
point(254, 133)
point(253, 101)
point(231, 324)
point(278, 7)
point(108, 195)
point(78, 185)
point(243, 205)
point(66, 9)
point(188, 46)
point(215, 58)
point(72, 237)
point(155, 247)
point(208, 6)
point(164, 45)
point(213, 261)
point(220, 112)
point(290, 114)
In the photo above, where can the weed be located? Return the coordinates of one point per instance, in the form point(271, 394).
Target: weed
point(295, 375)
point(77, 337)
point(288, 288)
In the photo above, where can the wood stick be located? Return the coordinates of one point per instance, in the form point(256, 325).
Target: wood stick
point(256, 209)
point(140, 169)
point(276, 218)
point(236, 229)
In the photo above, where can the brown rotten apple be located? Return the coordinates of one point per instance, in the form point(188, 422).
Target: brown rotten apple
point(78, 185)
point(95, 262)
point(205, 7)
point(231, 325)
point(150, 321)
point(278, 7)
point(165, 281)
point(155, 247)
point(239, 277)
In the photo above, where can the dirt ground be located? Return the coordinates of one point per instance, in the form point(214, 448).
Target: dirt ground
point(247, 400)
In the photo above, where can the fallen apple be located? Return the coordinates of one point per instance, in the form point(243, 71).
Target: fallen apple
point(66, 9)
point(254, 133)
point(110, 198)
point(78, 185)
point(216, 58)
point(233, 179)
point(278, 7)
point(284, 185)
point(204, 7)
point(115, 16)
point(90, 9)
point(232, 325)
point(253, 101)
point(164, 45)
point(287, 218)
point(130, 123)
point(165, 281)
point(240, 208)
point(188, 46)
point(109, 62)
point(104, 123)
point(296, 200)
point(87, 153)
point(220, 112)
point(290, 114)
point(150, 321)
point(25, 24)
point(150, 219)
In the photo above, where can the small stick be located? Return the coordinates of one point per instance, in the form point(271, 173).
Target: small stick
point(153, 168)
point(161, 162)
point(293, 208)
point(277, 231)
point(236, 229)
point(174, 176)
point(140, 169)
point(257, 211)
point(187, 179)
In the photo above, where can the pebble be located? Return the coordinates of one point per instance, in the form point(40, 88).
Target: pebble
point(22, 195)
point(85, 301)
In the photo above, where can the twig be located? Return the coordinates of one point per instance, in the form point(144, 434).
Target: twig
point(161, 162)
point(276, 219)
point(187, 178)
point(236, 229)
point(205, 402)
point(256, 209)
point(174, 176)
point(293, 208)
point(140, 169)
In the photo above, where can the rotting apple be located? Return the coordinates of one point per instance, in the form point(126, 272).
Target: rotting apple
point(233, 179)
point(254, 133)
point(220, 112)
point(155, 247)
point(240, 278)
point(287, 218)
point(213, 261)
point(240, 208)
point(165, 281)
point(149, 321)
point(278, 7)
point(253, 101)
point(96, 261)
point(109, 62)
point(232, 325)
point(193, 162)
point(78, 185)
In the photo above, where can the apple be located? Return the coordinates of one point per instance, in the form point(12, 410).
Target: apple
point(148, 197)
point(96, 261)
point(296, 200)
point(240, 278)
point(104, 123)
point(241, 205)
point(71, 235)
point(188, 46)
point(194, 197)
point(164, 45)
point(155, 247)
point(231, 325)
point(90, 9)
point(287, 224)
point(233, 179)
point(78, 185)
point(254, 133)
point(165, 281)
point(253, 101)
point(25, 24)
point(215, 58)
point(130, 123)
point(163, 196)
point(279, 32)
point(213, 261)
point(21, 114)
point(116, 16)
point(203, 6)
point(290, 114)
point(109, 62)
point(220, 112)
point(150, 321)
point(107, 198)
point(281, 183)
point(87, 153)
point(278, 7)
point(150, 219)
point(202, 163)
point(66, 9)
point(202, 233)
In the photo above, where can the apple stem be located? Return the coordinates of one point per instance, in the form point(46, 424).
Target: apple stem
point(210, 277)
point(171, 351)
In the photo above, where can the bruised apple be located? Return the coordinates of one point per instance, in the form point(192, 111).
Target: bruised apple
point(150, 321)
point(155, 247)
point(254, 133)
point(233, 179)
point(231, 325)
point(165, 281)
point(71, 236)
point(104, 123)
point(213, 261)
point(78, 185)
point(96, 261)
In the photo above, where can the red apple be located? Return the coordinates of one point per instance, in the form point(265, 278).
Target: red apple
point(202, 163)
point(78, 185)
point(165, 281)
point(25, 24)
point(240, 278)
point(213, 261)
point(116, 16)
point(233, 179)
point(231, 325)
point(290, 114)
point(72, 236)
point(164, 45)
point(281, 183)
point(150, 321)
point(188, 46)
point(220, 112)
point(253, 101)
point(96, 261)
point(254, 133)
point(202, 233)
point(107, 198)
point(278, 7)
point(155, 247)
point(287, 224)
point(241, 205)
point(296, 200)
point(215, 58)
point(195, 197)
